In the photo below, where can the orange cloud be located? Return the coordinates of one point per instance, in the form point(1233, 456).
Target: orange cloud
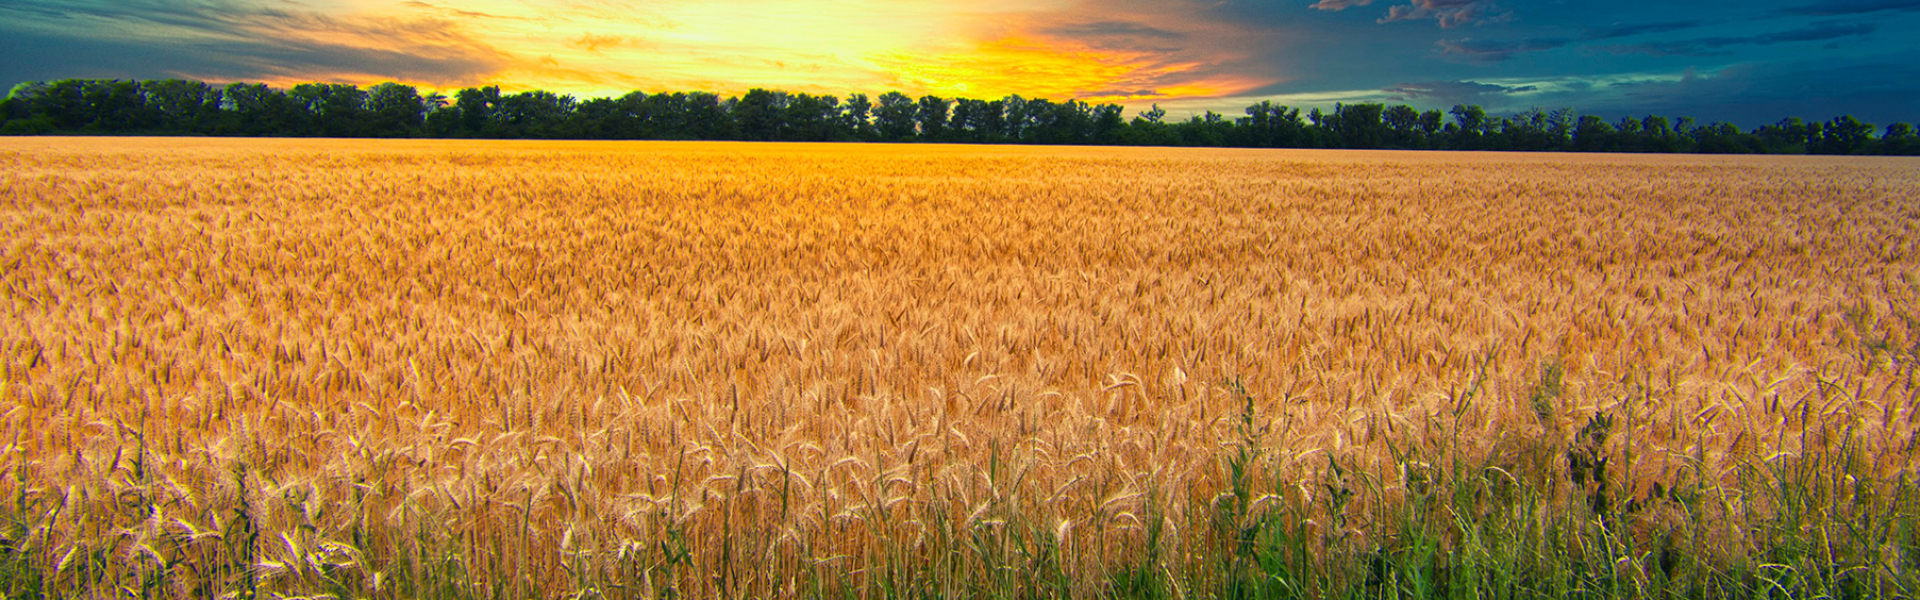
point(1041, 69)
point(1094, 50)
point(596, 43)
point(282, 47)
point(1098, 51)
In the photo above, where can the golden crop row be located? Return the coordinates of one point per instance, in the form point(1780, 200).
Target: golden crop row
point(553, 368)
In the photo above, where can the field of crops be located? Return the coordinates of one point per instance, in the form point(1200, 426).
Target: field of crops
point(409, 369)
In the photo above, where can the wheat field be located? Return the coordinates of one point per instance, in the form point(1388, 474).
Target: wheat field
point(425, 369)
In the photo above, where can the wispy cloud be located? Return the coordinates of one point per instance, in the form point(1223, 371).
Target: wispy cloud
point(1110, 51)
point(1834, 8)
point(1764, 92)
point(1713, 45)
point(1486, 51)
point(1339, 4)
point(1620, 31)
point(1453, 92)
point(227, 40)
point(1448, 13)
point(596, 43)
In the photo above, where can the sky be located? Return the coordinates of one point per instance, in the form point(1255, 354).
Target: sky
point(1748, 62)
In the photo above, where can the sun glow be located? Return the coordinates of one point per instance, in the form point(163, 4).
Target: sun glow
point(606, 48)
point(1117, 51)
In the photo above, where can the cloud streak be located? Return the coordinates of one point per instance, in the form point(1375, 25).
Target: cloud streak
point(1495, 51)
point(1708, 46)
point(1111, 51)
point(1620, 31)
point(1835, 8)
point(1338, 5)
point(223, 40)
point(1448, 13)
point(1452, 92)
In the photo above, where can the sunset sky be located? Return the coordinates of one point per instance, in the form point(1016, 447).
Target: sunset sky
point(1750, 61)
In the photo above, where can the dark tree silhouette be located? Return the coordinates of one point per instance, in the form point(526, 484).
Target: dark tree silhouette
point(398, 110)
point(181, 107)
point(895, 116)
point(932, 116)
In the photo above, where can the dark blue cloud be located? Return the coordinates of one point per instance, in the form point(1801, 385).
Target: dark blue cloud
point(1619, 31)
point(1878, 90)
point(1750, 62)
point(1716, 44)
point(221, 40)
point(1831, 8)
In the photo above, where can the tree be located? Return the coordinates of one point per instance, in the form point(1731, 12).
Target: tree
point(758, 114)
point(858, 116)
point(339, 109)
point(1472, 123)
point(1147, 129)
point(475, 107)
point(700, 117)
point(1593, 134)
point(1013, 109)
point(1560, 126)
point(1788, 135)
point(894, 117)
point(20, 112)
point(536, 114)
point(1359, 125)
point(1107, 123)
point(1900, 139)
point(1655, 135)
point(397, 110)
point(1268, 126)
point(976, 120)
point(600, 118)
point(1432, 121)
point(1155, 114)
point(661, 117)
point(932, 115)
point(179, 106)
point(95, 105)
point(1403, 120)
point(1627, 134)
point(1536, 129)
point(1723, 138)
point(393, 109)
point(993, 123)
point(811, 118)
point(259, 110)
point(1846, 135)
point(1037, 121)
point(961, 120)
point(1071, 122)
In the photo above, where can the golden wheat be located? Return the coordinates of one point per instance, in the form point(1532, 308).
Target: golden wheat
point(752, 370)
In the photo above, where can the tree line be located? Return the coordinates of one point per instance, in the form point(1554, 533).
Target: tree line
point(180, 107)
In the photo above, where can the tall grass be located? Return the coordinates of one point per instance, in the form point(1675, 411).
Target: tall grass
point(547, 370)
